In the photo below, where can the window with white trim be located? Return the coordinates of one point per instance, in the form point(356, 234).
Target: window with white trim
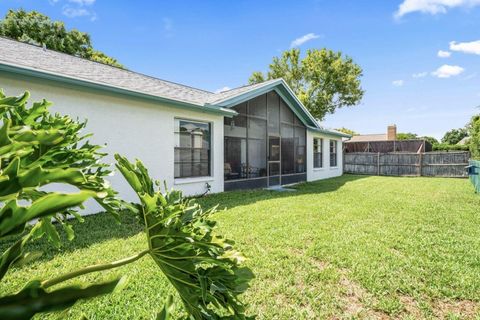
point(317, 152)
point(333, 153)
point(192, 148)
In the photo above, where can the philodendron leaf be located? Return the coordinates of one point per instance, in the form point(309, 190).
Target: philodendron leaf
point(4, 138)
point(12, 255)
point(33, 299)
point(14, 217)
point(28, 258)
point(46, 137)
point(167, 309)
point(51, 232)
point(37, 177)
point(202, 266)
point(38, 148)
point(38, 110)
point(8, 102)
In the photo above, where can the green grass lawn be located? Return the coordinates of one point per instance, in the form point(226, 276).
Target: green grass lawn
point(348, 247)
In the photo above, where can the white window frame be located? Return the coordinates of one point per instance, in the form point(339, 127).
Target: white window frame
point(176, 145)
point(318, 143)
point(334, 152)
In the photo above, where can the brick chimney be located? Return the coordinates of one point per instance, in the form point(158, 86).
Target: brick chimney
point(392, 132)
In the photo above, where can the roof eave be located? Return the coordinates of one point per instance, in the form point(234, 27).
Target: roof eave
point(101, 86)
point(329, 132)
point(308, 119)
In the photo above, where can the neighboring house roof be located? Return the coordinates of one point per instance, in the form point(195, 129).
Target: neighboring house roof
point(32, 60)
point(464, 141)
point(368, 137)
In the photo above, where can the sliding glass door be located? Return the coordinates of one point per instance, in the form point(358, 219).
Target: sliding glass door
point(274, 163)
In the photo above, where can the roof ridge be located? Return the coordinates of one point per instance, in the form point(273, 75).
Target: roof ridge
point(246, 85)
point(104, 64)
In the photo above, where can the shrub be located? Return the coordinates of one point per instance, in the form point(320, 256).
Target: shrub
point(449, 147)
point(38, 149)
point(474, 133)
point(203, 267)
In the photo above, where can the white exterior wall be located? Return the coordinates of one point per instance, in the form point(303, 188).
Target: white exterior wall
point(131, 127)
point(326, 171)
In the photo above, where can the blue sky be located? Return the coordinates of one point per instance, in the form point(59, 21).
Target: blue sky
point(217, 44)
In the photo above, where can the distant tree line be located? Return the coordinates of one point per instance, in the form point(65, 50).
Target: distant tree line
point(36, 28)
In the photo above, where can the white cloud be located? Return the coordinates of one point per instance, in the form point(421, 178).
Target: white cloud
point(472, 47)
point(447, 71)
point(432, 6)
point(303, 39)
point(398, 83)
point(419, 75)
point(77, 8)
point(82, 2)
point(222, 89)
point(443, 54)
point(75, 12)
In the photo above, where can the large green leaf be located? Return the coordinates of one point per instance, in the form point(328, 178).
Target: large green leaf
point(12, 254)
point(34, 299)
point(37, 149)
point(14, 217)
point(47, 144)
point(166, 312)
point(202, 266)
point(36, 177)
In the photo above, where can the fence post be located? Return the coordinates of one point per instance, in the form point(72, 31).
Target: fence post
point(378, 163)
point(420, 164)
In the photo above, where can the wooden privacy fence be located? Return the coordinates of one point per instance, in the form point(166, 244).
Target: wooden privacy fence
point(432, 164)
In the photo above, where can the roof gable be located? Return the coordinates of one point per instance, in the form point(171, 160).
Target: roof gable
point(236, 96)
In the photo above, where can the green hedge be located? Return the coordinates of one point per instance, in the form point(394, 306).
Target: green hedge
point(449, 147)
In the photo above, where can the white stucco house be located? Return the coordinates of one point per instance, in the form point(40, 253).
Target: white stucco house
point(254, 136)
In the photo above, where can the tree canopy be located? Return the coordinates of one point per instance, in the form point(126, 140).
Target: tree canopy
point(454, 136)
point(432, 140)
point(323, 80)
point(406, 136)
point(347, 131)
point(413, 136)
point(36, 28)
point(474, 134)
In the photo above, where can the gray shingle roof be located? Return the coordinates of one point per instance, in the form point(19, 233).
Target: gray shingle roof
point(29, 56)
point(224, 95)
point(33, 57)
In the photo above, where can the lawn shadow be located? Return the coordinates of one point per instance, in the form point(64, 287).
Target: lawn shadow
point(95, 229)
point(231, 199)
point(102, 227)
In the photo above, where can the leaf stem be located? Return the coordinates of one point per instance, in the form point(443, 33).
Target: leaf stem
point(93, 268)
